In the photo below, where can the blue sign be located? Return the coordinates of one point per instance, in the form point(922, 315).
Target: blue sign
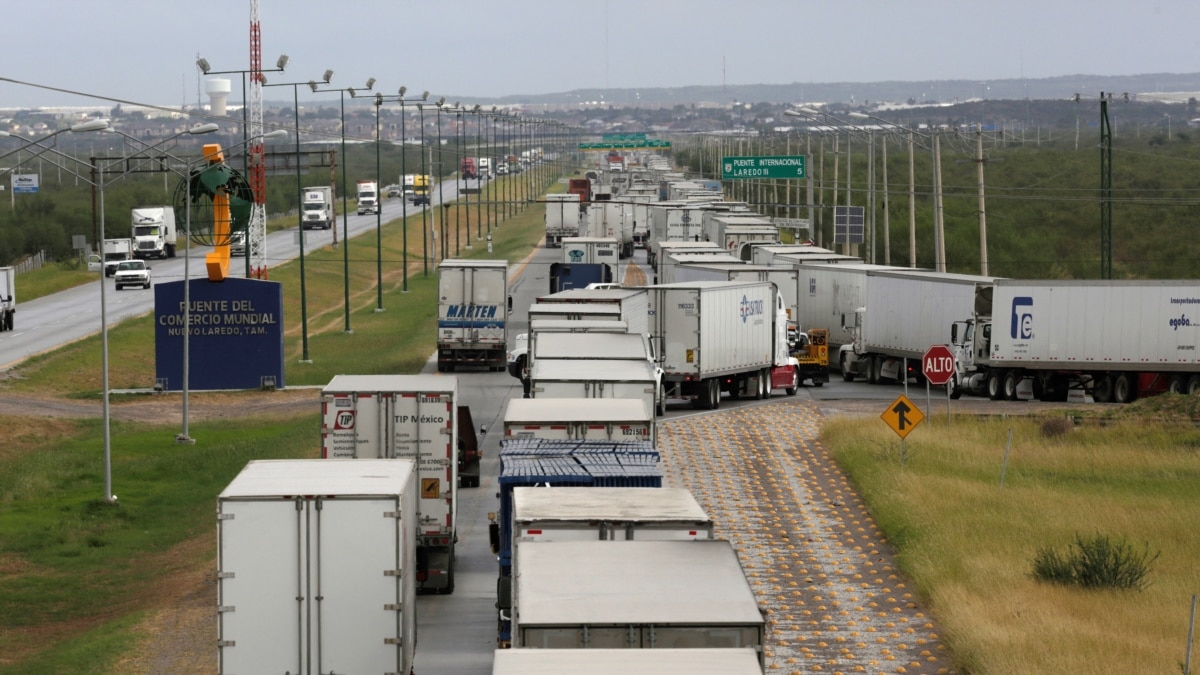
point(236, 339)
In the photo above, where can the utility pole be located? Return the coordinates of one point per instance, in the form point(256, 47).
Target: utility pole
point(983, 248)
point(1105, 191)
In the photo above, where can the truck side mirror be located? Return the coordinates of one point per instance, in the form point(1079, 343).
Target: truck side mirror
point(510, 303)
point(953, 333)
point(494, 537)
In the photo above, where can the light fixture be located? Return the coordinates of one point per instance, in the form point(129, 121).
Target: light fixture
point(403, 89)
point(281, 63)
point(370, 83)
point(202, 64)
point(425, 96)
point(327, 76)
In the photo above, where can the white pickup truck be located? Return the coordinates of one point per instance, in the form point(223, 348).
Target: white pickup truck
point(132, 273)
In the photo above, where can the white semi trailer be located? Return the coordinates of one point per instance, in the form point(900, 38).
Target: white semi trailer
point(316, 565)
point(611, 419)
point(473, 306)
point(405, 417)
point(1114, 340)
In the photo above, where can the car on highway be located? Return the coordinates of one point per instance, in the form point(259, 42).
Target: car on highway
point(394, 191)
point(237, 243)
point(419, 200)
point(132, 273)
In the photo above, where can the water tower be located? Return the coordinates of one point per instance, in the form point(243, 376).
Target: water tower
point(218, 89)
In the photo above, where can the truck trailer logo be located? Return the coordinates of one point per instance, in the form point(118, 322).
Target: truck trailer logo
point(343, 420)
point(750, 308)
point(1022, 318)
point(576, 255)
point(471, 311)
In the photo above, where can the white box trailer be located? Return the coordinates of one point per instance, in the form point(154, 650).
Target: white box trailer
point(1116, 340)
point(763, 254)
point(614, 419)
point(906, 312)
point(574, 311)
point(518, 357)
point(607, 514)
point(718, 336)
point(596, 378)
point(472, 313)
point(660, 249)
point(316, 567)
point(672, 258)
point(638, 594)
point(563, 215)
point(591, 250)
point(404, 417)
point(829, 294)
point(627, 661)
point(633, 303)
point(8, 297)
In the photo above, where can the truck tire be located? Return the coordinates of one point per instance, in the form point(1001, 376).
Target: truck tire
point(847, 374)
point(1102, 388)
point(1124, 388)
point(1177, 384)
point(995, 385)
point(1011, 379)
point(791, 391)
point(1193, 385)
point(954, 389)
point(714, 389)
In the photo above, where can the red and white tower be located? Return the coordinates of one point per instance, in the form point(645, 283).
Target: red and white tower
point(257, 230)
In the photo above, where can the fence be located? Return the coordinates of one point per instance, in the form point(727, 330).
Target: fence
point(31, 263)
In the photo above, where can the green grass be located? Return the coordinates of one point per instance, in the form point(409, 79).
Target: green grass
point(970, 544)
point(71, 563)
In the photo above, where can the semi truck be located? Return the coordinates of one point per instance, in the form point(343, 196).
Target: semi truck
point(407, 417)
point(596, 346)
point(1114, 340)
point(368, 197)
point(467, 168)
point(906, 312)
point(586, 260)
point(518, 356)
point(318, 208)
point(563, 213)
point(316, 567)
point(8, 297)
point(114, 252)
point(421, 190)
point(633, 303)
point(598, 378)
point(614, 419)
point(553, 464)
point(715, 337)
point(473, 306)
point(153, 231)
point(639, 594)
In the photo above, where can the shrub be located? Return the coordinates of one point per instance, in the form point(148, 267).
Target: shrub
point(1098, 562)
point(1056, 427)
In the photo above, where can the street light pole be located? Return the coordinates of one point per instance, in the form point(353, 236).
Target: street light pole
point(345, 207)
point(304, 357)
point(424, 211)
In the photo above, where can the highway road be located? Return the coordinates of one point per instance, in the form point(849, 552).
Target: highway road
point(52, 321)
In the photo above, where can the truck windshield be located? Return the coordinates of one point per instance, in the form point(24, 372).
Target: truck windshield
point(314, 206)
point(146, 231)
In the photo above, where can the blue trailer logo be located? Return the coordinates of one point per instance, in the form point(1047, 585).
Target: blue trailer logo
point(750, 308)
point(1022, 318)
point(576, 255)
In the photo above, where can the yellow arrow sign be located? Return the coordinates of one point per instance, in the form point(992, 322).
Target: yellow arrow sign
point(902, 416)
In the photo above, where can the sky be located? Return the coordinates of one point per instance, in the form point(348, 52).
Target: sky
point(144, 51)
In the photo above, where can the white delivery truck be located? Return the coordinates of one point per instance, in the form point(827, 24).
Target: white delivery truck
point(563, 213)
point(659, 249)
point(519, 354)
point(906, 312)
point(672, 258)
point(586, 260)
point(114, 252)
point(721, 336)
point(410, 417)
point(607, 514)
point(368, 197)
point(596, 346)
point(633, 303)
point(596, 378)
point(316, 567)
point(317, 205)
point(8, 297)
point(828, 293)
point(612, 419)
point(473, 305)
point(154, 233)
point(1114, 340)
point(607, 661)
point(638, 594)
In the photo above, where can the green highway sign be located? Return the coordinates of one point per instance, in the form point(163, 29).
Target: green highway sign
point(779, 166)
point(627, 145)
point(623, 137)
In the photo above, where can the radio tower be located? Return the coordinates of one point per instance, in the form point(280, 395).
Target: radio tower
point(256, 235)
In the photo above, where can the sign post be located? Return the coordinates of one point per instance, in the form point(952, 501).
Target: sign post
point(938, 367)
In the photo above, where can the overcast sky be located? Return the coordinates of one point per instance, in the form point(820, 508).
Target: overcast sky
point(144, 51)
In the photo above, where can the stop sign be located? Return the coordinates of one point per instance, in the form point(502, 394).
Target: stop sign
point(938, 364)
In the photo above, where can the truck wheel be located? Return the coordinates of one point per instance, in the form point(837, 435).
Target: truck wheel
point(791, 391)
point(1124, 388)
point(1102, 388)
point(1011, 378)
point(847, 374)
point(955, 388)
point(1193, 385)
point(995, 385)
point(1177, 384)
point(714, 394)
